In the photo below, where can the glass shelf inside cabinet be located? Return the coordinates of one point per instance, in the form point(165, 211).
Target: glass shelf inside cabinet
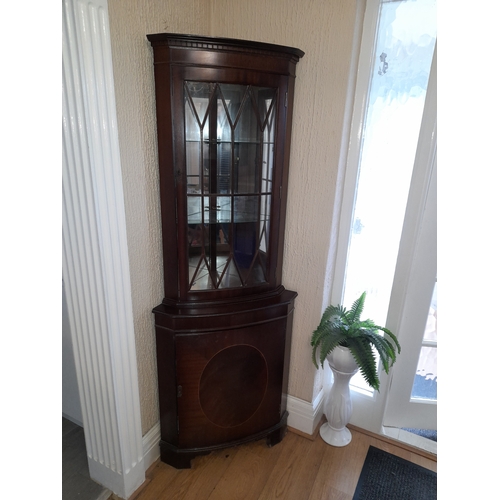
point(229, 151)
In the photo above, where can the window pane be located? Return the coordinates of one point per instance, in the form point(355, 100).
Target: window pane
point(431, 327)
point(403, 55)
point(425, 383)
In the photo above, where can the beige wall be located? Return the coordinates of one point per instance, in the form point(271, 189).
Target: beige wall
point(130, 22)
point(323, 29)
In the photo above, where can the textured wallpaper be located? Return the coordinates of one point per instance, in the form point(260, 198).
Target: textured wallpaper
point(324, 30)
point(130, 22)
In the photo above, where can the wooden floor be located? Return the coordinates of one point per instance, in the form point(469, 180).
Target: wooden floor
point(298, 468)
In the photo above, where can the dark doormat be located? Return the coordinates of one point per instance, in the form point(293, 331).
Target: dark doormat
point(387, 477)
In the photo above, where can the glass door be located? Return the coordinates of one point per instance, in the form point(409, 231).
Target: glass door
point(412, 397)
point(406, 35)
point(409, 401)
point(229, 140)
point(388, 175)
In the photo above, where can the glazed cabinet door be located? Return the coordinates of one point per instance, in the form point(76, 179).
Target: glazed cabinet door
point(226, 182)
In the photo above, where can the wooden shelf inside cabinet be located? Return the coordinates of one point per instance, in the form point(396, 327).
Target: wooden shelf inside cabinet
point(224, 115)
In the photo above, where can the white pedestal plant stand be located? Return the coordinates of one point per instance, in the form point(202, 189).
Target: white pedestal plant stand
point(338, 406)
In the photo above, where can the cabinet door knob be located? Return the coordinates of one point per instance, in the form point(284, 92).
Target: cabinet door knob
point(179, 391)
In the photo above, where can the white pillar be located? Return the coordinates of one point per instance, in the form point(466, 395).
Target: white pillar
point(95, 255)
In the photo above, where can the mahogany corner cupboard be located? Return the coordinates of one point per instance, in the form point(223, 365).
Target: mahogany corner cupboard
point(223, 330)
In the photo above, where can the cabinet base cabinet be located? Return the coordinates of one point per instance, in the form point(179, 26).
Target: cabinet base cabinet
point(223, 385)
point(180, 458)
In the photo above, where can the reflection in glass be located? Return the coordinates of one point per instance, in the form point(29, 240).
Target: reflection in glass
point(229, 137)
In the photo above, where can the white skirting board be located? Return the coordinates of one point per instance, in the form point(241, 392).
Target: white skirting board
point(304, 416)
point(133, 478)
point(151, 446)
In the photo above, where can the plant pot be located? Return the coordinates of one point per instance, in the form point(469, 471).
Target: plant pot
point(338, 407)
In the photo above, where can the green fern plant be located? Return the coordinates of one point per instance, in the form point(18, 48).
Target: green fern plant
point(342, 327)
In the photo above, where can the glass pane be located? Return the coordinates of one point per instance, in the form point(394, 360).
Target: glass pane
point(195, 111)
point(246, 124)
point(264, 223)
point(193, 166)
point(195, 210)
point(425, 382)
point(197, 96)
point(268, 146)
point(404, 49)
point(246, 208)
point(224, 160)
point(431, 327)
point(247, 167)
point(229, 132)
point(235, 98)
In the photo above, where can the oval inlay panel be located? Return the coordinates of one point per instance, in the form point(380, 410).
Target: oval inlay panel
point(233, 385)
